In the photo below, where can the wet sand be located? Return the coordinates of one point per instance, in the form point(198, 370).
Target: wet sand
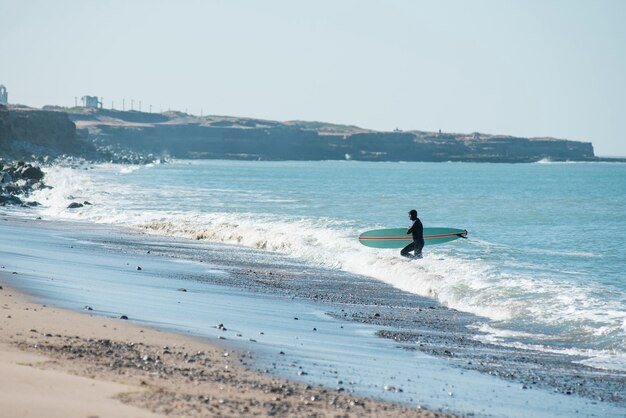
point(66, 364)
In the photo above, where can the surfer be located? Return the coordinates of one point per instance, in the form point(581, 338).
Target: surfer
point(417, 230)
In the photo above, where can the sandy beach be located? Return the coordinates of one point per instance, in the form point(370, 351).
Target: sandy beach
point(60, 363)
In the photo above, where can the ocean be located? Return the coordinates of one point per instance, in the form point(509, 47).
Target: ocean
point(543, 263)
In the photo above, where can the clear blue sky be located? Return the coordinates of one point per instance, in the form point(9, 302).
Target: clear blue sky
point(527, 67)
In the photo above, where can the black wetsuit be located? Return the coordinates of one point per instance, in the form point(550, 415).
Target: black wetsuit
point(417, 230)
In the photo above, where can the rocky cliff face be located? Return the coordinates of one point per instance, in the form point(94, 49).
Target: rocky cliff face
point(184, 136)
point(138, 137)
point(25, 131)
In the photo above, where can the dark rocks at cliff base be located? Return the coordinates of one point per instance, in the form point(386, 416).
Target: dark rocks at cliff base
point(17, 180)
point(32, 172)
point(75, 205)
point(10, 200)
point(122, 155)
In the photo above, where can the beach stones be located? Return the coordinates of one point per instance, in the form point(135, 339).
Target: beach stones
point(391, 388)
point(32, 172)
point(75, 205)
point(10, 199)
point(5, 177)
point(19, 179)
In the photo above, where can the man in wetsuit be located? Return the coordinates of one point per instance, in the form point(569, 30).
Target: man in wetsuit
point(417, 230)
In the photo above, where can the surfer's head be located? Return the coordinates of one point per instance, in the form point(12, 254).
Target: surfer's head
point(413, 214)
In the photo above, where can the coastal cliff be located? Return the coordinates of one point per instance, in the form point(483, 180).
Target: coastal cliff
point(180, 135)
point(132, 136)
point(25, 132)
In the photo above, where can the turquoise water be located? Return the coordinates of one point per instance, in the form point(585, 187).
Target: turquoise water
point(544, 259)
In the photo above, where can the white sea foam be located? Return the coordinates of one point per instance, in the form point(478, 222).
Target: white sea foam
point(465, 284)
point(549, 161)
point(608, 359)
point(129, 169)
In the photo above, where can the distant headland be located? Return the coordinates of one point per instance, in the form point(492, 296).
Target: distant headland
point(101, 134)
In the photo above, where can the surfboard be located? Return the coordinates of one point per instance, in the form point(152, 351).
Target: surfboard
point(398, 238)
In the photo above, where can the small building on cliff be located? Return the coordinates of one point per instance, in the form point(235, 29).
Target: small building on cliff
point(4, 95)
point(91, 101)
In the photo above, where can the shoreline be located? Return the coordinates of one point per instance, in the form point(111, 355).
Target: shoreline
point(143, 372)
point(71, 265)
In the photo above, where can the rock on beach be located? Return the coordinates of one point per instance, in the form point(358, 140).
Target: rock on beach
point(17, 180)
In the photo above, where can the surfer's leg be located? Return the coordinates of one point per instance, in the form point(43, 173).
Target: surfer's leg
point(419, 245)
point(406, 250)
